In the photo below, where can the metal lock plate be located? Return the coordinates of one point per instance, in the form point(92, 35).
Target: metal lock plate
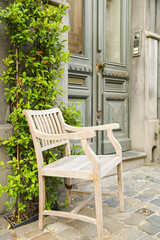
point(136, 43)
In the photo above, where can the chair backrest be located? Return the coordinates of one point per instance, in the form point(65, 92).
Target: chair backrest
point(47, 121)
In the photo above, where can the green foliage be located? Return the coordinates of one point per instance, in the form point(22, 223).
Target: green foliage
point(71, 114)
point(34, 70)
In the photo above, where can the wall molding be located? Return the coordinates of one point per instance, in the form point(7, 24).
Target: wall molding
point(111, 73)
point(76, 67)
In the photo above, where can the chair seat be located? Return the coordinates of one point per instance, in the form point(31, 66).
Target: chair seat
point(79, 166)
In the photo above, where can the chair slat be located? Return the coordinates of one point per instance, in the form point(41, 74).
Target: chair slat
point(57, 123)
point(45, 126)
point(38, 125)
point(50, 126)
point(39, 118)
point(54, 125)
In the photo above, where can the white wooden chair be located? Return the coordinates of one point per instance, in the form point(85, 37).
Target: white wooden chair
point(49, 130)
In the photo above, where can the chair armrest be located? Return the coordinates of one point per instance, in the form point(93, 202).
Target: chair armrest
point(79, 135)
point(93, 128)
point(114, 142)
point(107, 127)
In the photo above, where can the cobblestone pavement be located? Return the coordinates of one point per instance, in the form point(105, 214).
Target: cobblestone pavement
point(140, 220)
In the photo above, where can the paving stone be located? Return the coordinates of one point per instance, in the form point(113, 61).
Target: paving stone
point(56, 227)
point(112, 202)
point(128, 209)
point(152, 192)
point(155, 180)
point(130, 193)
point(44, 236)
point(3, 223)
point(158, 235)
point(113, 187)
point(4, 231)
point(132, 201)
point(150, 228)
point(68, 234)
point(127, 187)
point(49, 220)
point(21, 231)
point(113, 237)
point(151, 206)
point(6, 236)
point(144, 197)
point(78, 224)
point(119, 215)
point(154, 219)
point(112, 224)
point(83, 238)
point(147, 238)
point(156, 202)
point(138, 178)
point(91, 203)
point(32, 233)
point(154, 185)
point(90, 230)
point(87, 211)
point(133, 219)
point(131, 233)
point(64, 220)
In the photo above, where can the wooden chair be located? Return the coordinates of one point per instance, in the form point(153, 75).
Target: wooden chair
point(49, 130)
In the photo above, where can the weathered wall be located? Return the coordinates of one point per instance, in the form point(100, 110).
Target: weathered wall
point(144, 124)
point(5, 129)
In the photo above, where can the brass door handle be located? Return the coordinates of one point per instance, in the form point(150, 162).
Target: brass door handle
point(101, 65)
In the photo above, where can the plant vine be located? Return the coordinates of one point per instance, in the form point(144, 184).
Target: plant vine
point(34, 71)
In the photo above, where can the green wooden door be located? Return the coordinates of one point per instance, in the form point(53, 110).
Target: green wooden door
point(98, 70)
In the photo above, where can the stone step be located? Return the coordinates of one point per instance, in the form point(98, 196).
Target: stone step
point(131, 155)
point(133, 159)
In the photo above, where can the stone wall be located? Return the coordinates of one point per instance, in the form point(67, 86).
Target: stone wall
point(5, 129)
point(144, 124)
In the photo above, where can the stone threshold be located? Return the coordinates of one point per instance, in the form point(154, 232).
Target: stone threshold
point(132, 155)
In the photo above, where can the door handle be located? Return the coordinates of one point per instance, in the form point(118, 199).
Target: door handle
point(101, 65)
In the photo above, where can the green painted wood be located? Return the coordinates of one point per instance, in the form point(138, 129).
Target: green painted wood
point(105, 94)
point(115, 84)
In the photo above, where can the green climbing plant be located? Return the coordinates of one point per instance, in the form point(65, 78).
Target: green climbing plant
point(34, 70)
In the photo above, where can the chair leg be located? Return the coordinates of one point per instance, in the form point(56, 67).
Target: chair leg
point(98, 205)
point(120, 186)
point(68, 191)
point(41, 201)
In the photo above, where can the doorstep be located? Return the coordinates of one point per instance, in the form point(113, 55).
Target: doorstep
point(133, 159)
point(132, 155)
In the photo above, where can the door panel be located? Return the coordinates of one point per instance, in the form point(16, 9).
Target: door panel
point(76, 22)
point(80, 65)
point(114, 80)
point(113, 31)
point(115, 108)
point(98, 74)
point(79, 89)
